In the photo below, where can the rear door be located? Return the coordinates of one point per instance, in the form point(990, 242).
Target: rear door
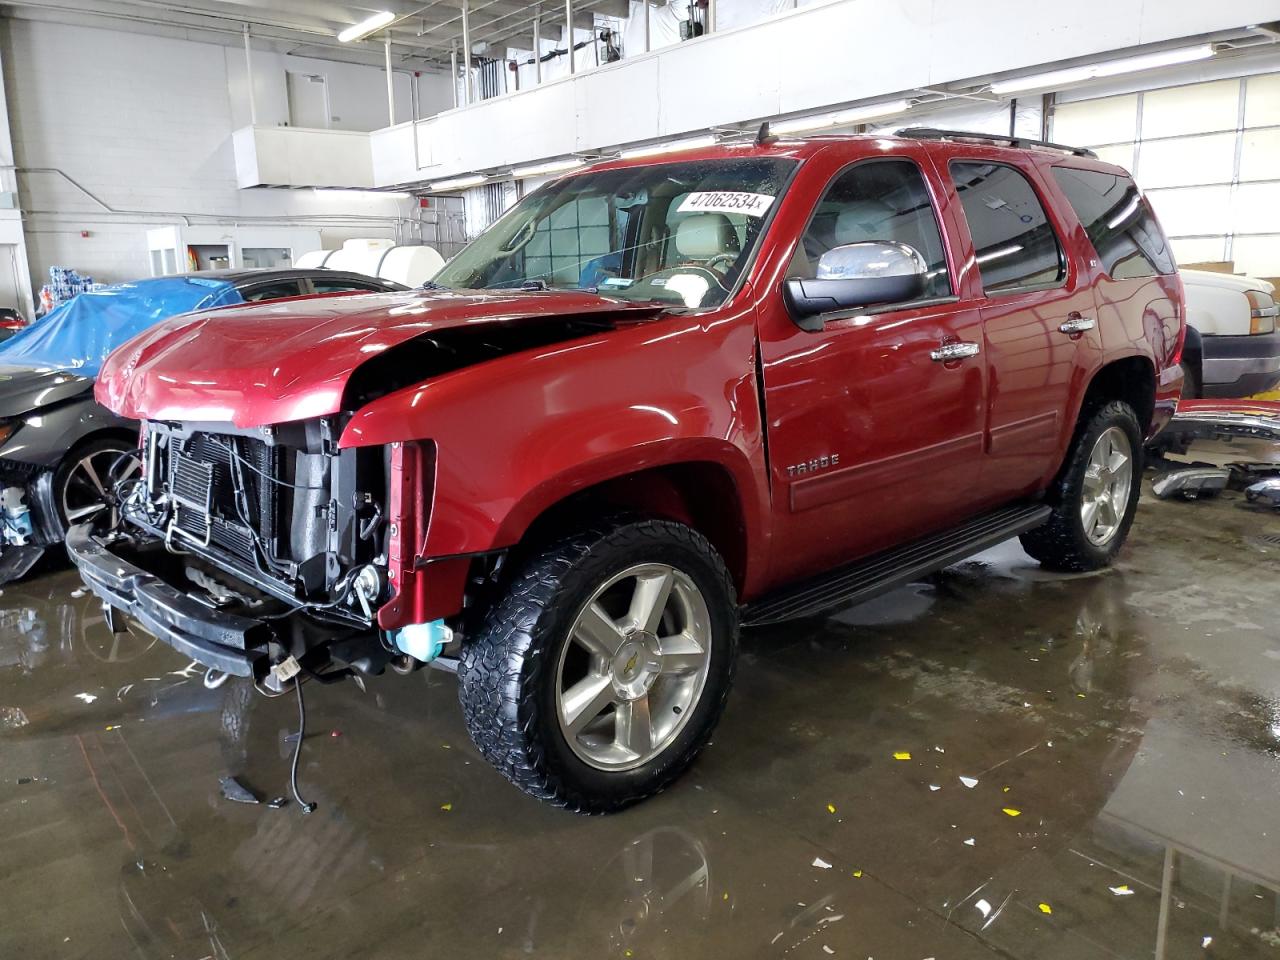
point(871, 439)
point(1038, 313)
point(1137, 286)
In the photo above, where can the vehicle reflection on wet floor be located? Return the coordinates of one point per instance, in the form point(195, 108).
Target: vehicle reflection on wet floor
point(1090, 769)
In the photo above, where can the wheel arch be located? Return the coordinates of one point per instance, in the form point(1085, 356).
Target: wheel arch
point(703, 494)
point(1131, 379)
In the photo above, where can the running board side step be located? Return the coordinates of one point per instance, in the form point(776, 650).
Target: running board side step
point(882, 572)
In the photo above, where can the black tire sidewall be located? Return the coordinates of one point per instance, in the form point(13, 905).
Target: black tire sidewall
point(552, 633)
point(1116, 414)
point(1191, 388)
point(508, 671)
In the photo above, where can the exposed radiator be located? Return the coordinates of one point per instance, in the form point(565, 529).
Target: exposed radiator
point(202, 484)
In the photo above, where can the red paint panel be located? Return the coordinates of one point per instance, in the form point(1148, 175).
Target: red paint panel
point(290, 360)
point(832, 487)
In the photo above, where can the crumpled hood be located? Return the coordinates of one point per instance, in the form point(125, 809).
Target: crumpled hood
point(290, 360)
point(25, 390)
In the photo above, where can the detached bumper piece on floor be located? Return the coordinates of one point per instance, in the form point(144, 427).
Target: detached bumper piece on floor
point(1191, 483)
point(1223, 420)
point(16, 562)
point(224, 641)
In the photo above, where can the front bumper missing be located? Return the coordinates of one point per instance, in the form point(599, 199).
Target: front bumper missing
point(224, 641)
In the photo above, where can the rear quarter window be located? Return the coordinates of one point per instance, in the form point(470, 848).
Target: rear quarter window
point(1118, 221)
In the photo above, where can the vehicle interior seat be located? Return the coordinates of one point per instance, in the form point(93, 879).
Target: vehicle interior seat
point(702, 237)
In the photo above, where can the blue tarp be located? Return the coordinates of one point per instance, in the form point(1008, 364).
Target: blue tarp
point(78, 335)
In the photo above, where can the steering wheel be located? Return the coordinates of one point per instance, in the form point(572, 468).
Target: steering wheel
point(725, 260)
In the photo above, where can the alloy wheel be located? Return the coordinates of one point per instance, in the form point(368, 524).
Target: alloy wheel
point(87, 490)
point(634, 667)
point(1108, 479)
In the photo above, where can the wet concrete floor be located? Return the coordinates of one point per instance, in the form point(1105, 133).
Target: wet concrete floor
point(1120, 734)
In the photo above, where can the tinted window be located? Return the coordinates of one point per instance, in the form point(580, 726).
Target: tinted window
point(271, 291)
point(883, 200)
point(342, 286)
point(1012, 238)
point(1117, 219)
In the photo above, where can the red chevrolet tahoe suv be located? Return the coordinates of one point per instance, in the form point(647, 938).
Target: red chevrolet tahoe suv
point(657, 400)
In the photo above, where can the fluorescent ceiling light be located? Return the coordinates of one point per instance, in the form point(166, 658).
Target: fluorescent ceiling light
point(691, 143)
point(1108, 68)
point(365, 27)
point(840, 118)
point(457, 183)
point(552, 166)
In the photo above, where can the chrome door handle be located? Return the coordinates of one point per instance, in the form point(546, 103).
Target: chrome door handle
point(958, 350)
point(1076, 325)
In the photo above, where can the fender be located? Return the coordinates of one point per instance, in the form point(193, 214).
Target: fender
point(517, 434)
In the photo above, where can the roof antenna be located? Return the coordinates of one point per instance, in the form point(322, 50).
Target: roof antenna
point(764, 136)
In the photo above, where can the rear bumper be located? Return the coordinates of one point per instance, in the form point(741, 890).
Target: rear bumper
point(1240, 366)
point(233, 644)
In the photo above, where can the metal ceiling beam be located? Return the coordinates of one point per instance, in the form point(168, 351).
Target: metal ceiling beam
point(584, 19)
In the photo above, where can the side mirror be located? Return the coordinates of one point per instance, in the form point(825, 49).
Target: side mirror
point(856, 275)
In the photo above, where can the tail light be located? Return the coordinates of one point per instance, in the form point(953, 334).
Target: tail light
point(1262, 312)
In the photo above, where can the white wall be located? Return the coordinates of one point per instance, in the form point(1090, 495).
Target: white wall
point(357, 94)
point(145, 123)
point(15, 291)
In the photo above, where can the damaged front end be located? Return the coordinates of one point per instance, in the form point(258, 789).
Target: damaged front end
point(258, 552)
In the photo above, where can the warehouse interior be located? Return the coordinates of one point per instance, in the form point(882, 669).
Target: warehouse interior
point(989, 757)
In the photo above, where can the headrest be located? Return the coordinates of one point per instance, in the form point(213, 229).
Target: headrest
point(704, 235)
point(863, 221)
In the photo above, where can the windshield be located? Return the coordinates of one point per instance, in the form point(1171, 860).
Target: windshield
point(679, 233)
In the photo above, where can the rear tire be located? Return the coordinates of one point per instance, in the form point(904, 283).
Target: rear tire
point(1191, 387)
point(1095, 496)
point(598, 677)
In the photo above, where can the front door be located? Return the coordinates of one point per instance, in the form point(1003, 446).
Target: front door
point(874, 437)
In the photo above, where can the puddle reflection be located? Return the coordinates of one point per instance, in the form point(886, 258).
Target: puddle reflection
point(1131, 719)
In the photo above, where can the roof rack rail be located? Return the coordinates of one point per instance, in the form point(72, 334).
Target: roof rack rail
point(931, 133)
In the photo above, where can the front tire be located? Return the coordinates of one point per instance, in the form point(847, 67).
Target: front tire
point(84, 481)
point(1095, 496)
point(601, 673)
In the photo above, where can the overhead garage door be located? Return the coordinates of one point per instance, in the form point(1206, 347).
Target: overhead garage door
point(1208, 156)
